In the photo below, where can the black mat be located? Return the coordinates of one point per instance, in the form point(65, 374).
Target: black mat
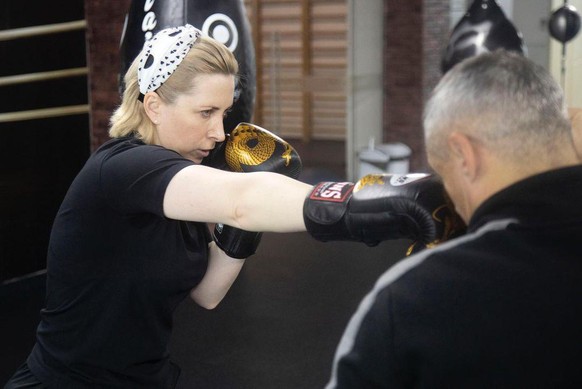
point(281, 322)
point(277, 328)
point(20, 303)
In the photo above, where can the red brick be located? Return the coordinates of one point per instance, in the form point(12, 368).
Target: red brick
point(415, 34)
point(104, 26)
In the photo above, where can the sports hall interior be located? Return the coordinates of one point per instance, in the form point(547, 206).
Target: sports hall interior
point(335, 78)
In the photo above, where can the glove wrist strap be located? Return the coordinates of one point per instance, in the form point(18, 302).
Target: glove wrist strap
point(236, 243)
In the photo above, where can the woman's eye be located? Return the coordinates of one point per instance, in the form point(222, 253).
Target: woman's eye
point(206, 113)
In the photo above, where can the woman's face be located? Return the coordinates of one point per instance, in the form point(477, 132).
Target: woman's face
point(192, 125)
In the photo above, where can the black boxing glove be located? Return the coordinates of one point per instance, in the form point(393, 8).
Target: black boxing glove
point(380, 207)
point(250, 148)
point(449, 226)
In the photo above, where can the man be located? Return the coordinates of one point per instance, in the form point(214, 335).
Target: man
point(576, 118)
point(502, 305)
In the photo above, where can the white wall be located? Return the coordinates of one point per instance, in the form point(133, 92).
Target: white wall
point(507, 6)
point(573, 79)
point(365, 81)
point(531, 19)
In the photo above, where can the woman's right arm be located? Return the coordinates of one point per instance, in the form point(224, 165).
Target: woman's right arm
point(259, 201)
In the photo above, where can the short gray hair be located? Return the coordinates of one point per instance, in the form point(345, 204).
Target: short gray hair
point(504, 100)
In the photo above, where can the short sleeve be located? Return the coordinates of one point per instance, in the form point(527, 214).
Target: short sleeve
point(133, 179)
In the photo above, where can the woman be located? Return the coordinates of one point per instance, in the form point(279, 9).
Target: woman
point(130, 240)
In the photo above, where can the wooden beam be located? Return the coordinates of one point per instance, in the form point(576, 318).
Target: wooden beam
point(26, 32)
point(44, 113)
point(42, 76)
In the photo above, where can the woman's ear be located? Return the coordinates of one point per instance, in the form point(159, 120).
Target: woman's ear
point(464, 154)
point(152, 105)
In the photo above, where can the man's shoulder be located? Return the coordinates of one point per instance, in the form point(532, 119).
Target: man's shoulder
point(457, 258)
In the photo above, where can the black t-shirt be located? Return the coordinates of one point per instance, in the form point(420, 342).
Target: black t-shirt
point(117, 268)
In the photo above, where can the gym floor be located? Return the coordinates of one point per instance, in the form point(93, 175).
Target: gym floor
point(277, 328)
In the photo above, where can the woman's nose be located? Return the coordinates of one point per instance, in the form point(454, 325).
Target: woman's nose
point(217, 131)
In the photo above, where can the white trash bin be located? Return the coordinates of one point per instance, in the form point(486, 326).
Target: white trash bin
point(399, 154)
point(392, 158)
point(372, 161)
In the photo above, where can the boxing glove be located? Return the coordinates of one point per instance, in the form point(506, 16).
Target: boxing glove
point(381, 207)
point(449, 225)
point(250, 148)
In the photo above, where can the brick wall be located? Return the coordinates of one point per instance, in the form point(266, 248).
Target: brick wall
point(104, 26)
point(436, 20)
point(415, 33)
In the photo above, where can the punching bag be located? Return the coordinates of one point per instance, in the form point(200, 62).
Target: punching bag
point(482, 29)
point(223, 20)
point(564, 23)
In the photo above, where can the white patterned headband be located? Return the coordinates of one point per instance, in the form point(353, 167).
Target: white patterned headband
point(162, 54)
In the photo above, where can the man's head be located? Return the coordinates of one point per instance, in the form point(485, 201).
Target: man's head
point(492, 120)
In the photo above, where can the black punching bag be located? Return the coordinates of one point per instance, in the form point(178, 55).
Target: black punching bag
point(564, 23)
point(484, 28)
point(223, 20)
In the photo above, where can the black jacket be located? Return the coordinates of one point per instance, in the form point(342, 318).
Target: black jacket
point(500, 307)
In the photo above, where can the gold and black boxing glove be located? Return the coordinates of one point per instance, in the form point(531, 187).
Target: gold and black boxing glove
point(381, 207)
point(250, 148)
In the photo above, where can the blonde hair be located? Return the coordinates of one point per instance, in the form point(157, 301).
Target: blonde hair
point(207, 56)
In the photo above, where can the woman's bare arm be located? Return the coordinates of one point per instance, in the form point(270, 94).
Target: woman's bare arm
point(251, 201)
point(220, 275)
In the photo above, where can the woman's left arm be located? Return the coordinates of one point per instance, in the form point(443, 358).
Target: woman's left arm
point(220, 275)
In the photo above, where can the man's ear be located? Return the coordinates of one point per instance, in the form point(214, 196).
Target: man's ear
point(152, 105)
point(576, 119)
point(465, 154)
